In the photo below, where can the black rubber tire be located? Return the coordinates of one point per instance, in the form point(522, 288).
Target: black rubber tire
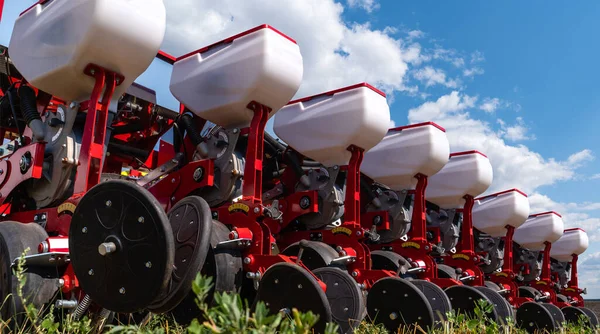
point(573, 314)
point(464, 300)
point(529, 292)
point(286, 285)
point(557, 315)
point(387, 260)
point(395, 302)
point(438, 299)
point(15, 238)
point(503, 308)
point(315, 255)
point(223, 265)
point(534, 318)
point(191, 249)
point(116, 282)
point(492, 285)
point(593, 317)
point(445, 271)
point(344, 296)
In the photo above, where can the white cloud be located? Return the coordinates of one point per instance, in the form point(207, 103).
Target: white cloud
point(471, 72)
point(432, 76)
point(477, 57)
point(392, 123)
point(192, 24)
point(367, 5)
point(490, 105)
point(514, 166)
point(415, 34)
point(595, 176)
point(448, 55)
point(515, 132)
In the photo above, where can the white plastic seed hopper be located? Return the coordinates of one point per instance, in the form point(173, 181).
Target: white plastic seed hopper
point(54, 41)
point(492, 213)
point(539, 229)
point(324, 126)
point(218, 82)
point(574, 241)
point(466, 173)
point(405, 152)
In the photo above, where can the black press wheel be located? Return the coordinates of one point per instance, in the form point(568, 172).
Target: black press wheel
point(557, 315)
point(15, 238)
point(224, 265)
point(534, 318)
point(285, 286)
point(439, 301)
point(345, 297)
point(593, 317)
point(121, 245)
point(575, 315)
point(502, 307)
point(315, 254)
point(395, 302)
point(464, 300)
point(191, 222)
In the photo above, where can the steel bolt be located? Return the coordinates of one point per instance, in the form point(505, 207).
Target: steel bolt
point(355, 273)
point(61, 282)
point(106, 248)
point(148, 264)
point(140, 219)
point(173, 180)
point(247, 260)
point(198, 174)
point(299, 286)
point(358, 233)
point(108, 203)
point(377, 220)
point(91, 272)
point(393, 316)
point(256, 210)
point(304, 202)
point(84, 230)
point(235, 130)
point(122, 291)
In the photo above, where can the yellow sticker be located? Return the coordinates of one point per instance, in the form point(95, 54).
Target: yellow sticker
point(502, 274)
point(570, 289)
point(238, 207)
point(411, 244)
point(342, 230)
point(461, 256)
point(67, 206)
point(541, 282)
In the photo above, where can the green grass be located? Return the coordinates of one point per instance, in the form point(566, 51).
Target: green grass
point(231, 315)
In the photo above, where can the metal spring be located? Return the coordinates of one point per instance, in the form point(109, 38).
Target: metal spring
point(82, 307)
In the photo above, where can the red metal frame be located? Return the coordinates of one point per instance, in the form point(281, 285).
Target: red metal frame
point(91, 154)
point(350, 234)
point(465, 257)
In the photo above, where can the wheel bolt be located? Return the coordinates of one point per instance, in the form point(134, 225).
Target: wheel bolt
point(122, 291)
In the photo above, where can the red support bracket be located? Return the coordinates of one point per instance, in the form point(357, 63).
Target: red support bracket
point(508, 251)
point(92, 146)
point(252, 187)
point(546, 271)
point(418, 230)
point(467, 241)
point(574, 282)
point(352, 199)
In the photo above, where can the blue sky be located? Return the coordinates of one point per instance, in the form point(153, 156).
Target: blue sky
point(514, 79)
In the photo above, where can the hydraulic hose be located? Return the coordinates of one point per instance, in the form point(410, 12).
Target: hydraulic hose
point(30, 113)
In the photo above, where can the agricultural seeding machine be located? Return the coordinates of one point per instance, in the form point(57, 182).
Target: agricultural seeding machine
point(340, 216)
